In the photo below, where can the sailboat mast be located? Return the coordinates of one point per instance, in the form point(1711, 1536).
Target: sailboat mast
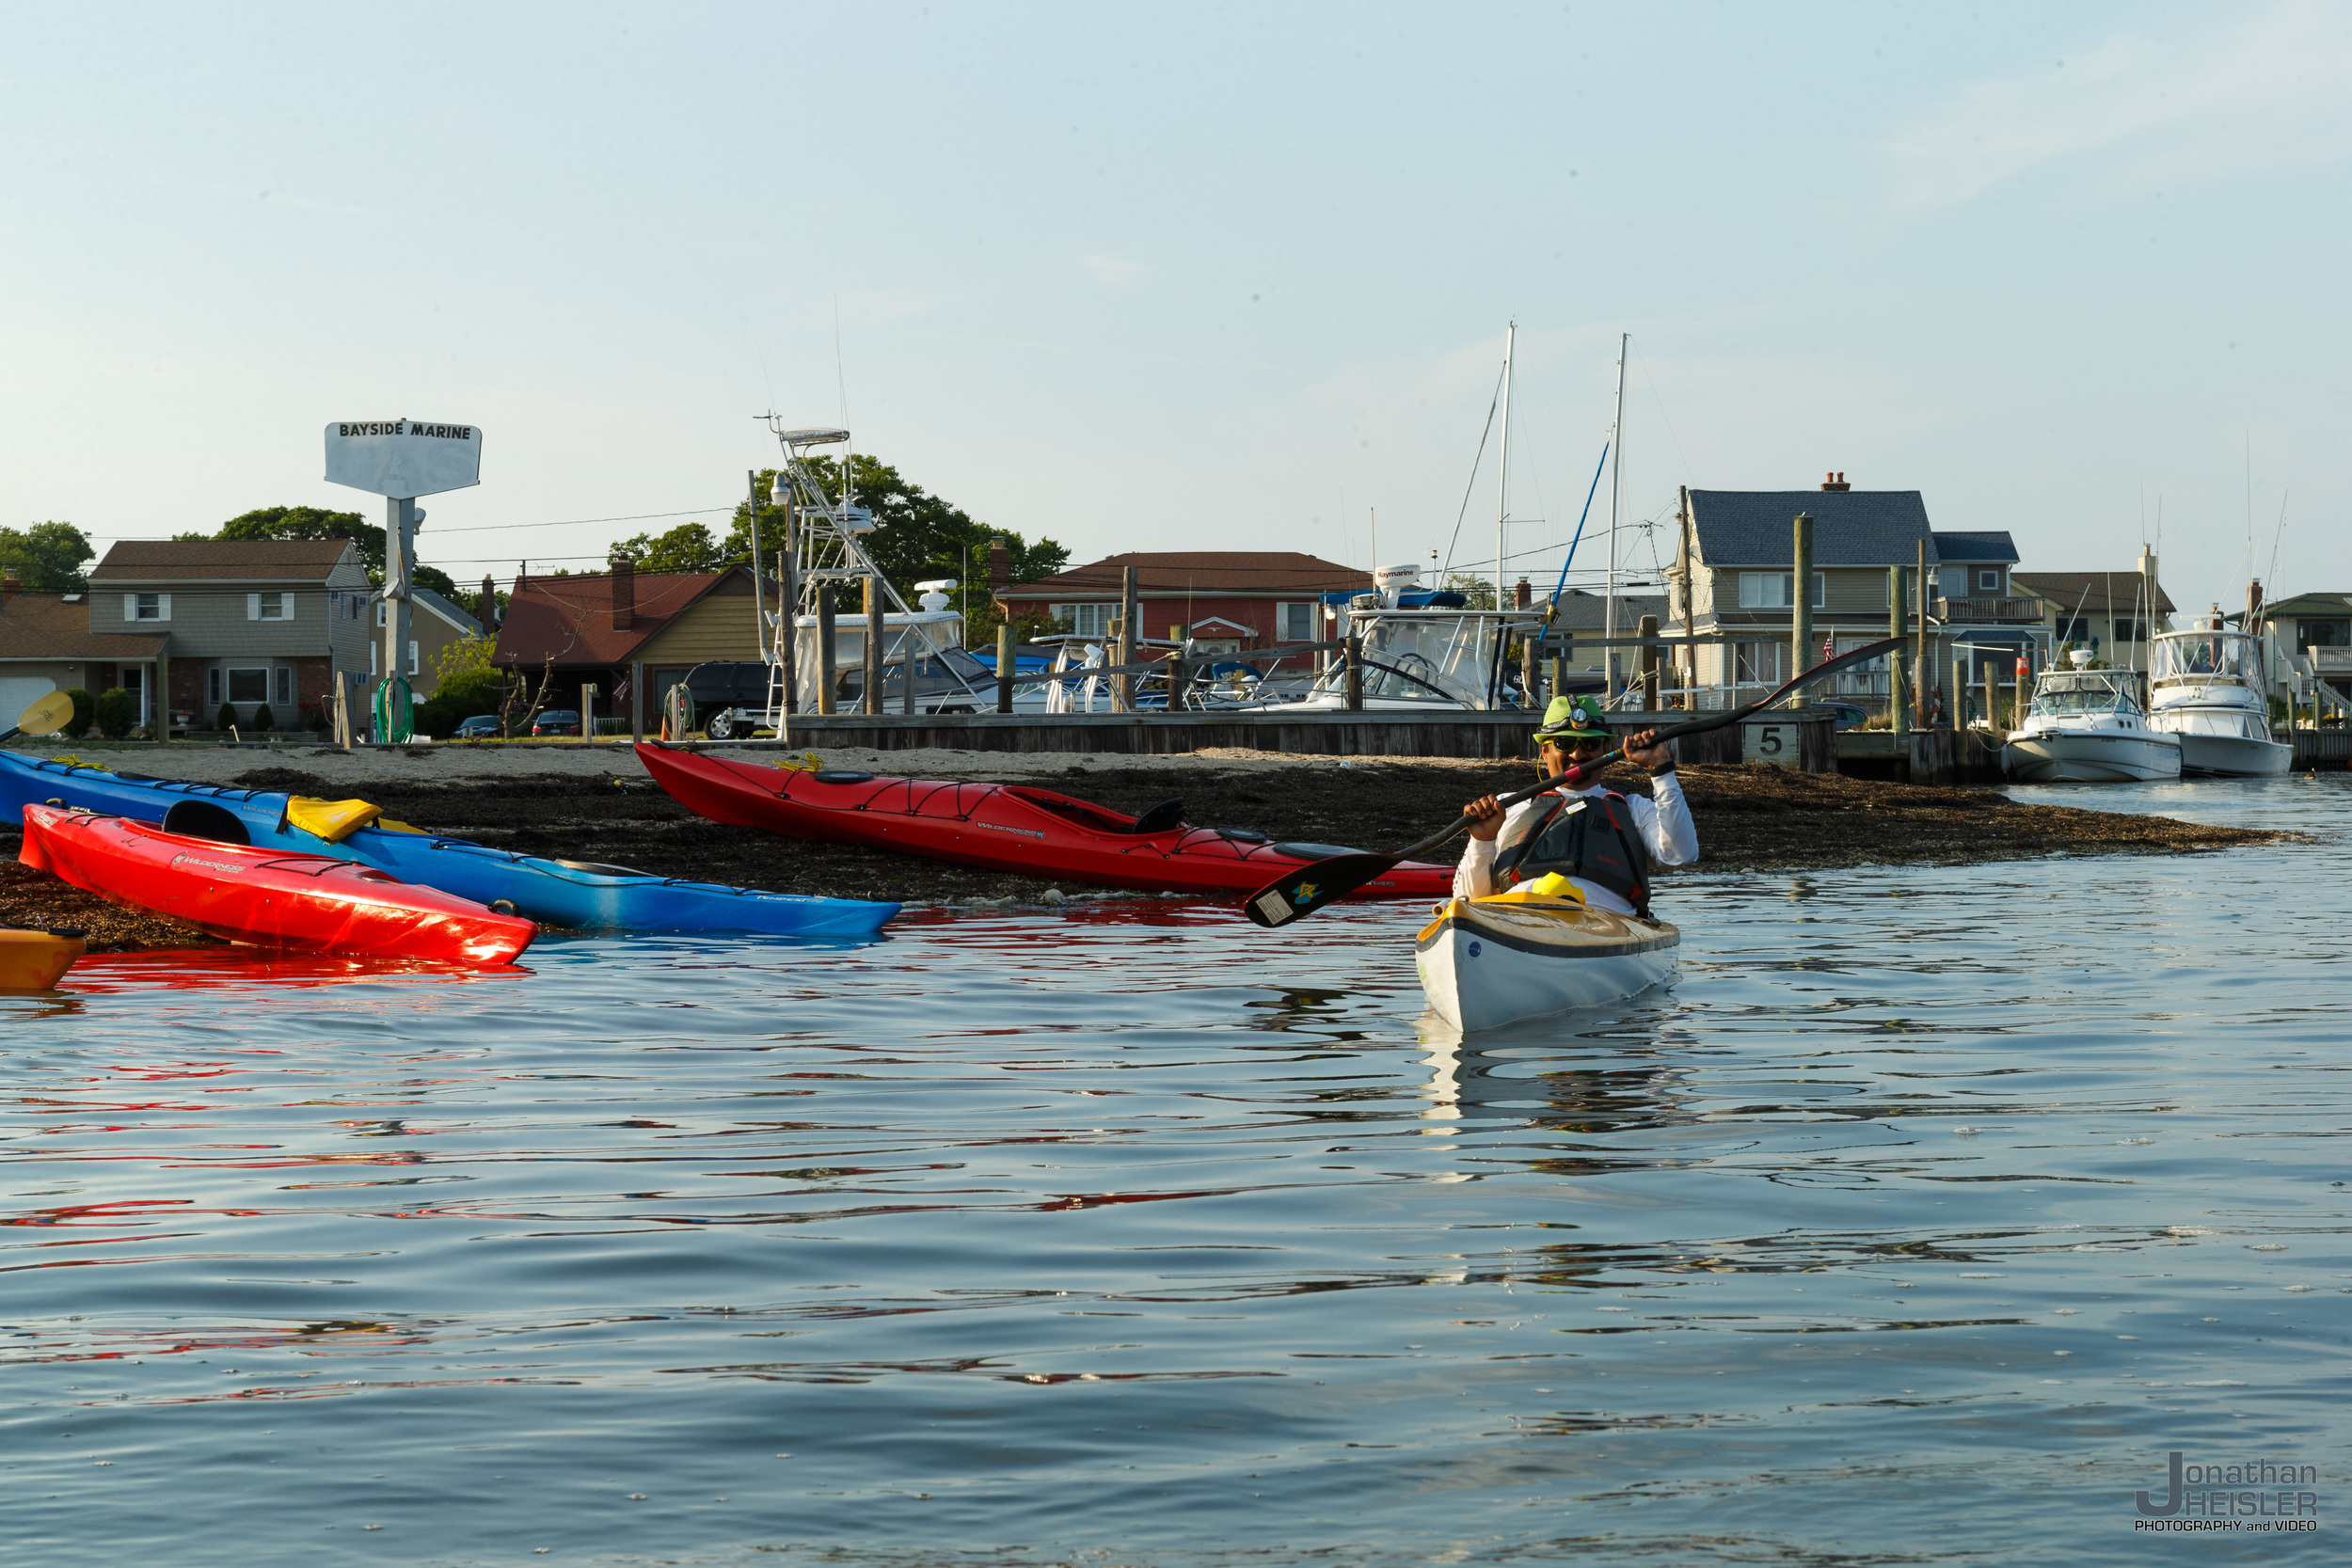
point(1502, 469)
point(1616, 488)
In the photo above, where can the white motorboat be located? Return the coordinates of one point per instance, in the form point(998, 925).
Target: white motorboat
point(2086, 726)
point(1488, 961)
point(2206, 686)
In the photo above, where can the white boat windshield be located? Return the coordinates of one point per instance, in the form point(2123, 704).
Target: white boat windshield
point(1438, 655)
point(2085, 691)
point(2206, 658)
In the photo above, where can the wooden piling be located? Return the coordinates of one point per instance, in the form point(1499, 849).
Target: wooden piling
point(1645, 656)
point(1355, 674)
point(1125, 685)
point(870, 701)
point(828, 646)
point(1800, 613)
point(1003, 667)
point(1897, 626)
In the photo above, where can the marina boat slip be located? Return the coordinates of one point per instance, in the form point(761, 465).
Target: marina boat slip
point(2086, 726)
point(2206, 686)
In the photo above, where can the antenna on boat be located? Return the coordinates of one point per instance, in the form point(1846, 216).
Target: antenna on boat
point(1502, 468)
point(1617, 490)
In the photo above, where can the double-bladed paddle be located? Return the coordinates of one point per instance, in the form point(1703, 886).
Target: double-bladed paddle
point(1301, 892)
point(46, 716)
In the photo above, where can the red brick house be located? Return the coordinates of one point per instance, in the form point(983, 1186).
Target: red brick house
point(1226, 601)
point(589, 628)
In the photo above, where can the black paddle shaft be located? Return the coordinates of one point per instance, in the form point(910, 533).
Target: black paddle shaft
point(1302, 892)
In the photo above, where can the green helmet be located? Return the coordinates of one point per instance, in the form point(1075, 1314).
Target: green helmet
point(1573, 716)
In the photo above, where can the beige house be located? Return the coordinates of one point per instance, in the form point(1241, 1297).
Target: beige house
point(2111, 613)
point(590, 629)
point(245, 622)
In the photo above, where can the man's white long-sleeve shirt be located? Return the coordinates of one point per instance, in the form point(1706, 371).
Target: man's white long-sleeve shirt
point(1663, 821)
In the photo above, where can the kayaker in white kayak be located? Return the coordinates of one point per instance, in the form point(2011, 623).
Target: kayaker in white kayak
point(1592, 843)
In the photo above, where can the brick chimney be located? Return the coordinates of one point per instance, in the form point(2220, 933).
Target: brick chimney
point(11, 586)
point(1835, 482)
point(624, 592)
point(1519, 593)
point(489, 606)
point(999, 566)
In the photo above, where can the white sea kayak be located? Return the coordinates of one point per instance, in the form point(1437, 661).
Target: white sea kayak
point(1487, 961)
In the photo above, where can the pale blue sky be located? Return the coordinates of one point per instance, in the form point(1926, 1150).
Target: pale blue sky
point(1209, 275)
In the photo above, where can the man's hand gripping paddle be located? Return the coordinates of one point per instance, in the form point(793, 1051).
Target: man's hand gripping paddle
point(1299, 892)
point(45, 716)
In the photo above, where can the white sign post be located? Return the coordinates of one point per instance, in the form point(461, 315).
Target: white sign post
point(400, 460)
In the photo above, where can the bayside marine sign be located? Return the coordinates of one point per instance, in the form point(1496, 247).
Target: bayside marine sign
point(403, 457)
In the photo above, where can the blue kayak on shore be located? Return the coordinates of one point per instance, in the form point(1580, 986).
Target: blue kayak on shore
point(575, 895)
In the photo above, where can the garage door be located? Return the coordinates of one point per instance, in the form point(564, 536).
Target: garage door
point(18, 692)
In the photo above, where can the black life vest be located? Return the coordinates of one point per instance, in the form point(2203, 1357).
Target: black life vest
point(1590, 837)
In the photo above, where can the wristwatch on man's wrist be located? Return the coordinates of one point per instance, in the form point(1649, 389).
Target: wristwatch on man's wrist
point(1661, 772)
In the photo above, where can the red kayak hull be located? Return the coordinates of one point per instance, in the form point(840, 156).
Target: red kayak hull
point(1012, 828)
point(266, 897)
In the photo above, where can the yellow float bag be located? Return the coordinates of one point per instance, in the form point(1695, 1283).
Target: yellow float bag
point(1549, 888)
point(332, 821)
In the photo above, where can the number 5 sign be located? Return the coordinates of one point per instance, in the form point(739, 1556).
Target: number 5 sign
point(1780, 744)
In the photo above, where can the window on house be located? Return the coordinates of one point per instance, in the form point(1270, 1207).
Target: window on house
point(1295, 623)
point(1087, 619)
point(412, 658)
point(2322, 634)
point(2127, 630)
point(2074, 628)
point(248, 685)
point(1757, 664)
point(147, 607)
point(285, 686)
point(212, 688)
point(1989, 580)
point(382, 611)
point(269, 606)
point(1777, 590)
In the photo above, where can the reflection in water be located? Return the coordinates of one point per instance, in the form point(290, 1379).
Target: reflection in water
point(734, 1251)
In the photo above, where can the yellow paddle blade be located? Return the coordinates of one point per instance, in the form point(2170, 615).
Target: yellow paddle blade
point(332, 821)
point(46, 715)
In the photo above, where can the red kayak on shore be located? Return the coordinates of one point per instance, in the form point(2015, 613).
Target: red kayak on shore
point(265, 897)
point(1002, 827)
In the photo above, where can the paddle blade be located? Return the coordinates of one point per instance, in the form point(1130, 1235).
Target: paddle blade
point(47, 716)
point(1300, 892)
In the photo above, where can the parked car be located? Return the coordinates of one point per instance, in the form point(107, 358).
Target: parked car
point(1849, 715)
point(556, 720)
point(481, 726)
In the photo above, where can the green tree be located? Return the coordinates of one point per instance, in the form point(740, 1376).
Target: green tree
point(311, 522)
point(46, 557)
point(917, 537)
point(1479, 591)
point(687, 547)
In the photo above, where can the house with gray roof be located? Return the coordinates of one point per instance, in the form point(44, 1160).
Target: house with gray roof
point(241, 622)
point(1734, 578)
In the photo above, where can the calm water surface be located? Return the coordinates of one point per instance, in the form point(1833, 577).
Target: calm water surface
point(1919, 1221)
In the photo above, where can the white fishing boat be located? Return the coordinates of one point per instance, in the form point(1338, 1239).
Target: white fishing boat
point(2206, 686)
point(1487, 961)
point(2086, 726)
